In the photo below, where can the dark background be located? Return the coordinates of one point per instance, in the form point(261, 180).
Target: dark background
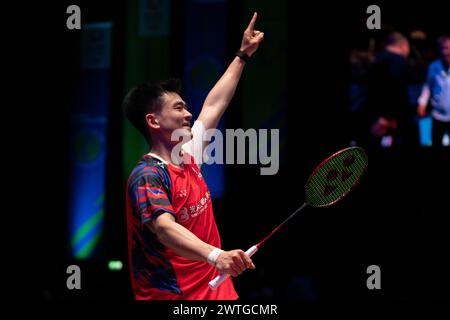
point(395, 219)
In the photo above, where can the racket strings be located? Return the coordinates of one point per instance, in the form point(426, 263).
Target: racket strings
point(334, 178)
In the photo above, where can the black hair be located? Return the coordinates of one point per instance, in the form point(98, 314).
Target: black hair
point(443, 38)
point(395, 38)
point(145, 99)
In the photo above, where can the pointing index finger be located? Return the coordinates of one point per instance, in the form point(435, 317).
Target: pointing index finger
point(251, 25)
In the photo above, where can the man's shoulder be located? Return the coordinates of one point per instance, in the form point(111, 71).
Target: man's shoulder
point(148, 168)
point(436, 65)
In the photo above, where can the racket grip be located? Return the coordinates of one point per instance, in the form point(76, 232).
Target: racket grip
point(214, 283)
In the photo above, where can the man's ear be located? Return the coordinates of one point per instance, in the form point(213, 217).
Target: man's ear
point(152, 121)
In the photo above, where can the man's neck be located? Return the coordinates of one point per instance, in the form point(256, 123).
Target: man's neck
point(163, 151)
point(446, 62)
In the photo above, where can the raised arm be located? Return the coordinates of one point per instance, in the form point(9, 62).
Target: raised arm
point(221, 94)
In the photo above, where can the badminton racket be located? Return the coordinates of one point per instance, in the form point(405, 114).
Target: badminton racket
point(327, 184)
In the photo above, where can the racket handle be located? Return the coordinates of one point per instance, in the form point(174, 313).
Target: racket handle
point(214, 283)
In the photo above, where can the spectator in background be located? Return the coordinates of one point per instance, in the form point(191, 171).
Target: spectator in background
point(361, 60)
point(436, 92)
point(391, 115)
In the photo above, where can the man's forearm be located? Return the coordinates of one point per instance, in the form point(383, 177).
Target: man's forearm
point(223, 91)
point(221, 94)
point(182, 241)
point(424, 95)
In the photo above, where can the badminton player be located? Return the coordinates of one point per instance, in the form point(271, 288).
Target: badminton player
point(173, 240)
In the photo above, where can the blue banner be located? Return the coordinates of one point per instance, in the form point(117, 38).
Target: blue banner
point(88, 141)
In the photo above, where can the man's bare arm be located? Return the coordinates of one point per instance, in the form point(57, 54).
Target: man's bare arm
point(186, 244)
point(221, 94)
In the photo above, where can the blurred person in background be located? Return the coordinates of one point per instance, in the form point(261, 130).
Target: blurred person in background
point(390, 113)
point(436, 93)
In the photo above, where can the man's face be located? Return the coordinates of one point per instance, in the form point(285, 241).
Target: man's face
point(445, 49)
point(406, 50)
point(174, 115)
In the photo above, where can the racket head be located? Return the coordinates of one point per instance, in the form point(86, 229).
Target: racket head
point(335, 177)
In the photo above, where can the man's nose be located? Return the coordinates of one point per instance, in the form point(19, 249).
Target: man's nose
point(188, 115)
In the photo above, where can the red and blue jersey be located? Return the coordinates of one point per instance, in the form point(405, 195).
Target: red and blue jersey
point(157, 272)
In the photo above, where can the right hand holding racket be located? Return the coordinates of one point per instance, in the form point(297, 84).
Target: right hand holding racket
point(233, 262)
point(332, 179)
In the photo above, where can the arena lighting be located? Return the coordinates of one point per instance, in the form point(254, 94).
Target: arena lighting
point(115, 265)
